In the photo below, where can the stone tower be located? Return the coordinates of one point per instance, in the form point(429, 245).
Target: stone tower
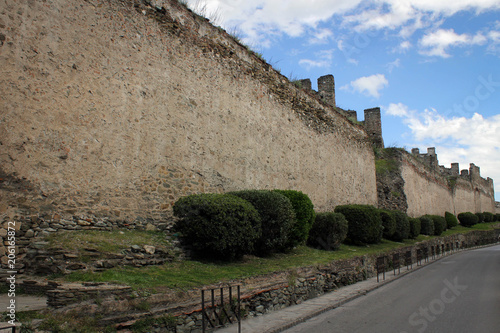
point(373, 126)
point(326, 89)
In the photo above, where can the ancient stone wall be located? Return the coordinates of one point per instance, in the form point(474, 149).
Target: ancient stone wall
point(429, 191)
point(114, 109)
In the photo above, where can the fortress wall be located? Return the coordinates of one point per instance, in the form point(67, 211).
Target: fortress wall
point(487, 203)
point(118, 108)
point(464, 199)
point(429, 192)
point(425, 194)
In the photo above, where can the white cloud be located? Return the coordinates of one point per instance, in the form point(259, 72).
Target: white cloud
point(494, 36)
point(458, 139)
point(394, 64)
point(404, 46)
point(387, 14)
point(411, 15)
point(324, 59)
point(369, 85)
point(308, 63)
point(398, 110)
point(321, 36)
point(263, 20)
point(436, 43)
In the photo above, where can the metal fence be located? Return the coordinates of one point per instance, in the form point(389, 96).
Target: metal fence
point(219, 306)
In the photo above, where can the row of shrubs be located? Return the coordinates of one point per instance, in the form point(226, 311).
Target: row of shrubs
point(228, 226)
point(469, 219)
point(261, 222)
point(364, 224)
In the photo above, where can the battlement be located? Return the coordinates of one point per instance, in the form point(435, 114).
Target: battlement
point(431, 160)
point(326, 88)
point(326, 93)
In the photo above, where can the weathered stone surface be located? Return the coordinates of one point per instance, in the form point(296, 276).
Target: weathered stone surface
point(136, 248)
point(151, 227)
point(419, 186)
point(43, 260)
point(149, 249)
point(76, 266)
point(83, 223)
point(96, 151)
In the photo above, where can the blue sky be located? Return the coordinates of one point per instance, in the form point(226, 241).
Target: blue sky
point(432, 66)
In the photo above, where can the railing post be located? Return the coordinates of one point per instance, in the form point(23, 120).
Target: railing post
point(239, 311)
point(221, 311)
point(203, 326)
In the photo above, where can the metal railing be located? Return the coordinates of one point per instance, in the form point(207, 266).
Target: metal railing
point(219, 308)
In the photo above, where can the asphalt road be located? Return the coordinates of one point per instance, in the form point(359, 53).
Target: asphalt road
point(459, 294)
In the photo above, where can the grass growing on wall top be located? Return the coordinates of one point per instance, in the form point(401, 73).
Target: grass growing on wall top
point(386, 160)
point(383, 166)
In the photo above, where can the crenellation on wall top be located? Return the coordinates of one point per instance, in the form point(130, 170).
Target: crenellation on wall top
point(472, 174)
point(352, 114)
point(326, 88)
point(306, 84)
point(429, 158)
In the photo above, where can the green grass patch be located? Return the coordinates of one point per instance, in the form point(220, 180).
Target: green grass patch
point(23, 316)
point(383, 166)
point(58, 322)
point(105, 241)
point(462, 230)
point(189, 274)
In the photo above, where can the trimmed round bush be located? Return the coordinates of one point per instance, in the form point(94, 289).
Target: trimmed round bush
point(415, 227)
point(489, 217)
point(277, 218)
point(468, 219)
point(217, 226)
point(480, 217)
point(426, 225)
point(451, 220)
point(388, 222)
point(497, 217)
point(328, 231)
point(365, 225)
point(304, 216)
point(402, 226)
point(439, 224)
